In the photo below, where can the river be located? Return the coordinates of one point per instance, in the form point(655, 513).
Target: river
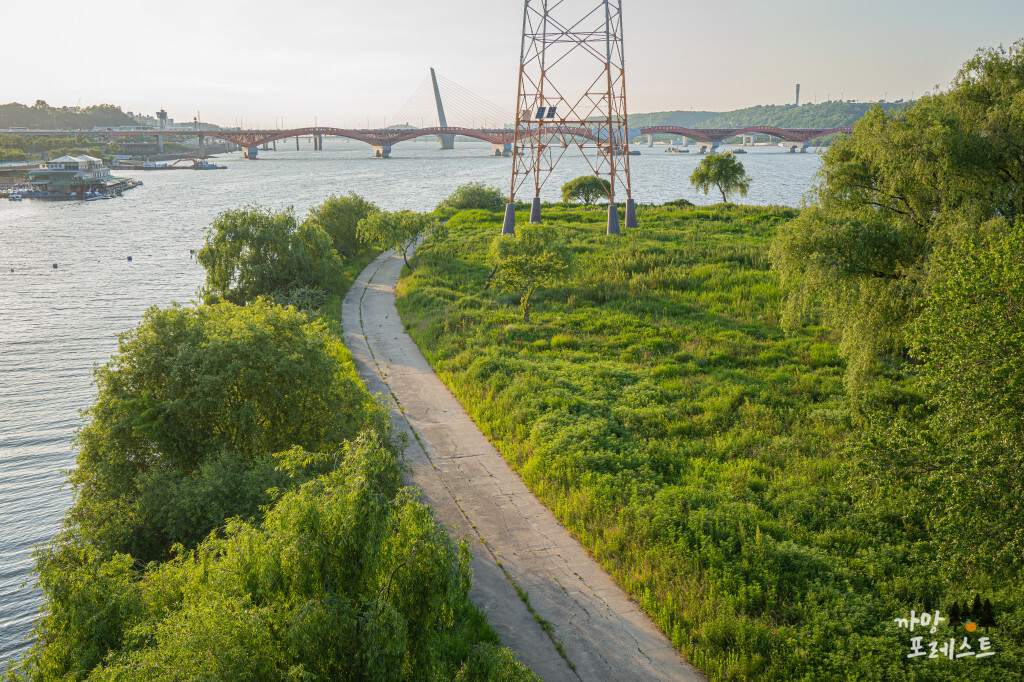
point(56, 323)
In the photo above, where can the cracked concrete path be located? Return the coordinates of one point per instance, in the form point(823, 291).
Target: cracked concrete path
point(515, 537)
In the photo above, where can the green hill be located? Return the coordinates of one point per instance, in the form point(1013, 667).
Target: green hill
point(42, 116)
point(824, 115)
point(686, 119)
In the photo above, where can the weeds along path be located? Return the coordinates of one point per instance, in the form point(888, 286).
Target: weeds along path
point(543, 594)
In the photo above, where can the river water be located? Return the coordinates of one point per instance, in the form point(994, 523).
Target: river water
point(56, 323)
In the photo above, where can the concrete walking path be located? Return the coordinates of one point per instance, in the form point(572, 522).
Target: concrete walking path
point(465, 479)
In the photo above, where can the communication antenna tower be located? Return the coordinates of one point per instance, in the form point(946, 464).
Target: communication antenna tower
point(572, 94)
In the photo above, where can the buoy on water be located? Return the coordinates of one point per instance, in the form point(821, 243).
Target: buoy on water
point(54, 266)
point(129, 259)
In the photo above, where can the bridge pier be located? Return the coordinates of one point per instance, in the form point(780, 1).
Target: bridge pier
point(265, 147)
point(499, 149)
point(706, 146)
point(160, 143)
point(382, 151)
point(296, 143)
point(794, 146)
point(250, 152)
point(202, 147)
point(650, 139)
point(447, 141)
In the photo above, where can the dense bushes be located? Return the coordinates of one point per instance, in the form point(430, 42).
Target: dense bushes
point(347, 577)
point(473, 195)
point(195, 401)
point(239, 508)
point(905, 183)
point(253, 252)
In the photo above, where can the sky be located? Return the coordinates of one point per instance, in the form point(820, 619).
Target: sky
point(262, 63)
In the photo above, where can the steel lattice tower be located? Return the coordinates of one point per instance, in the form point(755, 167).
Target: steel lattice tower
point(572, 94)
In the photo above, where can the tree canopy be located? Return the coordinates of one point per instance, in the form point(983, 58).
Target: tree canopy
point(533, 257)
point(586, 189)
point(722, 171)
point(902, 184)
point(964, 457)
point(399, 230)
point(189, 413)
point(348, 577)
point(252, 251)
point(338, 217)
point(474, 195)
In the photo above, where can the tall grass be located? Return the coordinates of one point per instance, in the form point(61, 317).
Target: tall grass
point(695, 449)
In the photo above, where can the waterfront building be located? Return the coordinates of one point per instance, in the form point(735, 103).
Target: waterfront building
point(75, 176)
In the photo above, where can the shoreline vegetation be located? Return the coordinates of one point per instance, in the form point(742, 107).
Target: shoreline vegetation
point(239, 509)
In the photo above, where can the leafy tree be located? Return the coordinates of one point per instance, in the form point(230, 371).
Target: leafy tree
point(253, 252)
point(348, 577)
point(893, 191)
point(723, 171)
point(338, 217)
point(399, 230)
point(965, 454)
point(188, 414)
point(474, 195)
point(532, 258)
point(586, 189)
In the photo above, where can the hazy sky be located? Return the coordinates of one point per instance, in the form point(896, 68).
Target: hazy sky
point(349, 62)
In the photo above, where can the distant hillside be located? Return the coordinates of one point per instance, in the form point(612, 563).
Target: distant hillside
point(824, 115)
point(42, 115)
point(686, 119)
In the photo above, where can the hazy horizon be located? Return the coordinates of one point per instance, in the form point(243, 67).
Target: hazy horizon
point(261, 64)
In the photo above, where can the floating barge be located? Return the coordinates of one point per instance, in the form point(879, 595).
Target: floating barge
point(197, 164)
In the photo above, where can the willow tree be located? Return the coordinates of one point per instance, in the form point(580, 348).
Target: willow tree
point(399, 230)
point(903, 183)
point(722, 171)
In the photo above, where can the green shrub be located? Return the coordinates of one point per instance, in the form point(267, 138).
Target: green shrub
point(586, 189)
point(474, 195)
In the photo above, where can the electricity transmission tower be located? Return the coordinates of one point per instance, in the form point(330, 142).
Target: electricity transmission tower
point(572, 94)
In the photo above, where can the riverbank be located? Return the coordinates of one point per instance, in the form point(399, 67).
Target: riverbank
point(338, 570)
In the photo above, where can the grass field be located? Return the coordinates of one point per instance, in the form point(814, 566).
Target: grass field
point(697, 450)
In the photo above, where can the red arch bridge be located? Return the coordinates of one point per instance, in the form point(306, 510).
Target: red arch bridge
point(501, 139)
